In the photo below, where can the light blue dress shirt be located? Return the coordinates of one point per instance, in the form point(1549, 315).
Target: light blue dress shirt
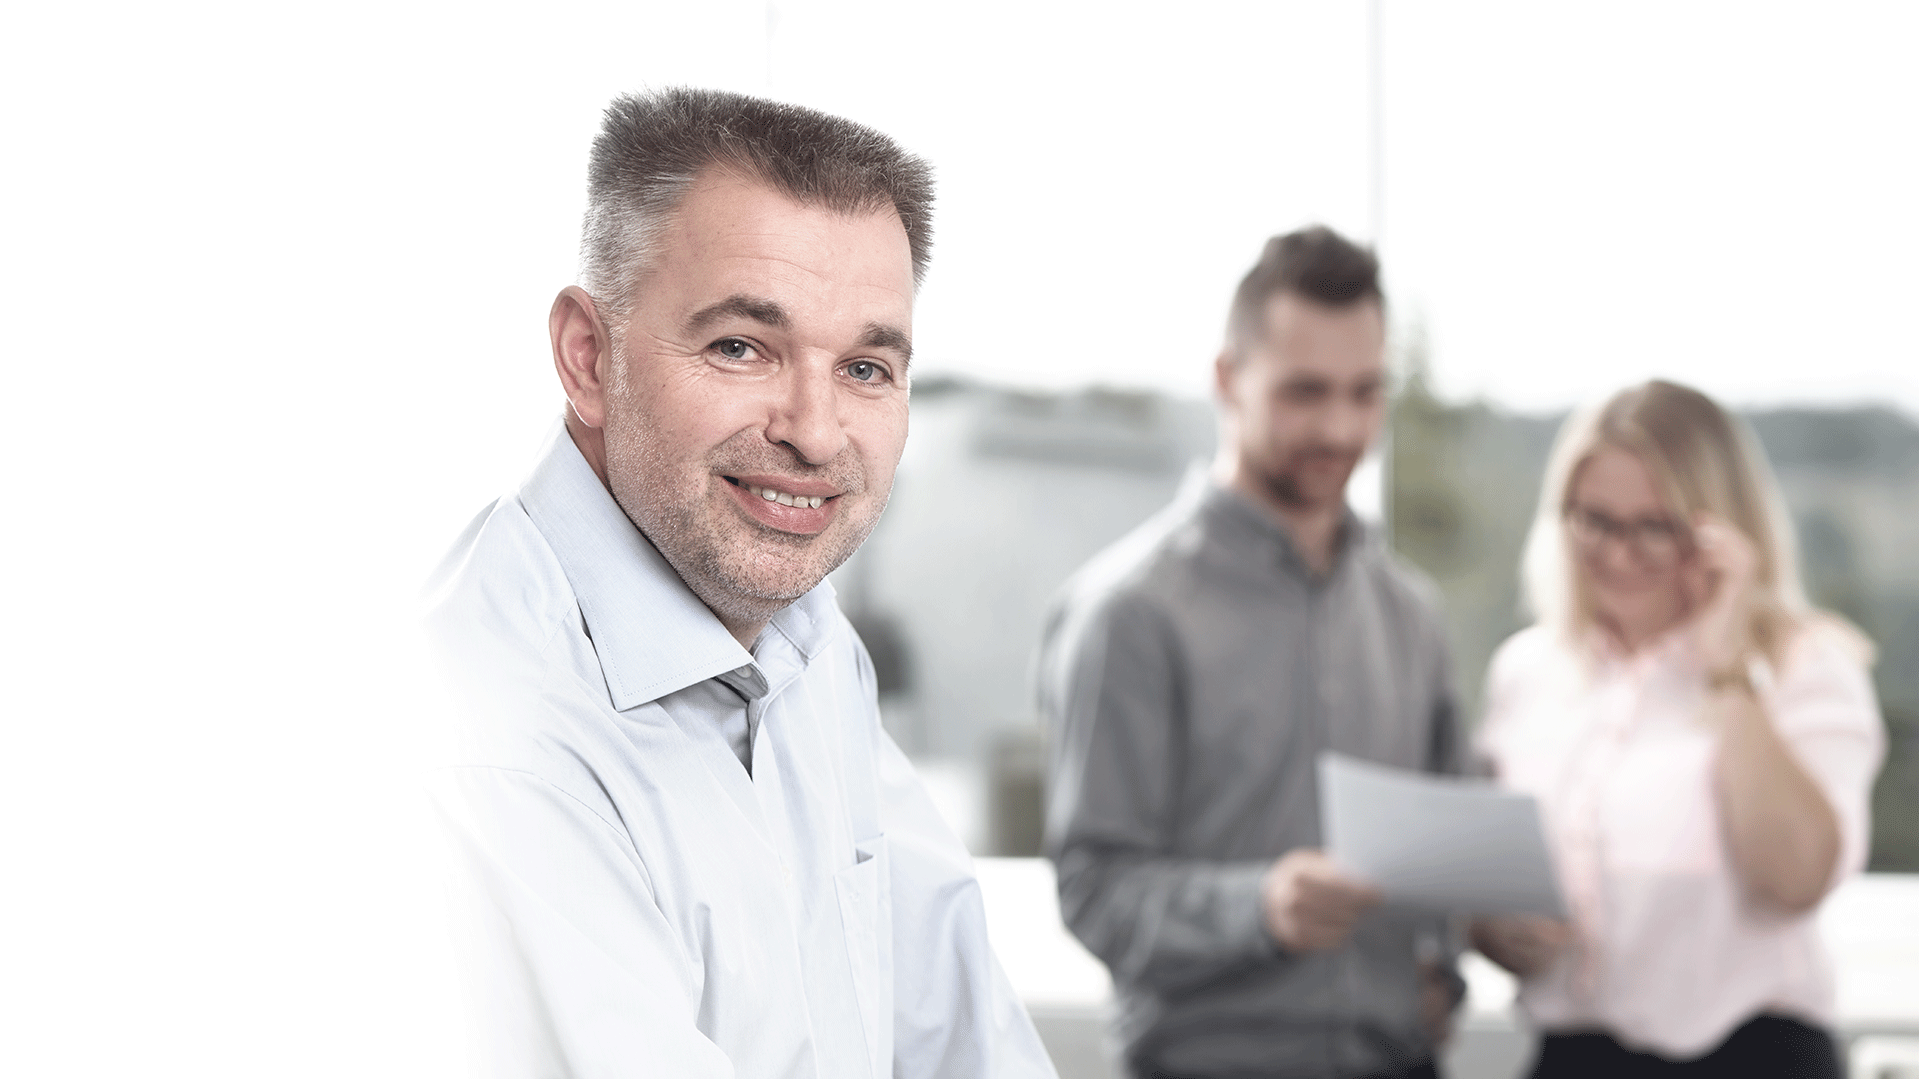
point(631, 900)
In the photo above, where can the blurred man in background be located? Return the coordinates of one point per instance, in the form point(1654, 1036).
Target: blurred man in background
point(687, 847)
point(1192, 674)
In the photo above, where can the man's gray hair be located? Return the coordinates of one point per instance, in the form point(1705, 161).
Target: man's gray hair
point(652, 147)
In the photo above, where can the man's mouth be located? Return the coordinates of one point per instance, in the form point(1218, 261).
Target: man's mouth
point(784, 498)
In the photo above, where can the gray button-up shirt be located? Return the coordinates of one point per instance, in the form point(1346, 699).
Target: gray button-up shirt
point(1189, 677)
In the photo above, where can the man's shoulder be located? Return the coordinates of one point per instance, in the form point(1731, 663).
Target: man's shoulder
point(1405, 584)
point(518, 671)
point(499, 586)
point(1154, 563)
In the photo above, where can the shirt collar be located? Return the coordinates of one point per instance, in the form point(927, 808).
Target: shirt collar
point(652, 634)
point(1252, 531)
point(1672, 648)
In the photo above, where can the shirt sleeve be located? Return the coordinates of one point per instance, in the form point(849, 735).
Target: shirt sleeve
point(570, 965)
point(956, 1015)
point(1110, 695)
point(1824, 708)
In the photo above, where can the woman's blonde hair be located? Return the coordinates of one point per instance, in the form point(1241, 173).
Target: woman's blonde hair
point(1703, 460)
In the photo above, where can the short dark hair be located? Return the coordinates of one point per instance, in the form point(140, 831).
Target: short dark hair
point(1315, 263)
point(652, 147)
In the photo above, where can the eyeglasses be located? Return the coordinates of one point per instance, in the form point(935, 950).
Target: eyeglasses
point(1651, 539)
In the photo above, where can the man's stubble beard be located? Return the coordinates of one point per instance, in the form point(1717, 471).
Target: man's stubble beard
point(742, 570)
point(1283, 483)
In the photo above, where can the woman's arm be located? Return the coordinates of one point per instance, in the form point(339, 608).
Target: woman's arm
point(1781, 831)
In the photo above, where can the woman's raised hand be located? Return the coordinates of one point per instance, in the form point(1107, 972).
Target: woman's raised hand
point(1718, 582)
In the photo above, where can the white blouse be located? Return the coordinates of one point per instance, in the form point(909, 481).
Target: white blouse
point(1668, 953)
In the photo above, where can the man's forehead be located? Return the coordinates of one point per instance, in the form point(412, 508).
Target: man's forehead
point(728, 224)
point(1310, 339)
point(727, 204)
point(1288, 310)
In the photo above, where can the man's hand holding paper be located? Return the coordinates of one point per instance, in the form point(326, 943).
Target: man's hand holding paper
point(1310, 903)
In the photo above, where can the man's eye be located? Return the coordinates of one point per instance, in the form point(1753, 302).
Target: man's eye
point(733, 348)
point(865, 370)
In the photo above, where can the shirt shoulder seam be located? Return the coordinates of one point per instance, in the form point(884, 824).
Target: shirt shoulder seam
point(543, 781)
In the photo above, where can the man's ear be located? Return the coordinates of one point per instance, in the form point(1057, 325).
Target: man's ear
point(582, 353)
point(1226, 376)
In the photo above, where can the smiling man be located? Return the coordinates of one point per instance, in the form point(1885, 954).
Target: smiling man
point(1190, 677)
point(685, 845)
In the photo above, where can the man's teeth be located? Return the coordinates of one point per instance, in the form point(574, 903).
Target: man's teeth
point(784, 499)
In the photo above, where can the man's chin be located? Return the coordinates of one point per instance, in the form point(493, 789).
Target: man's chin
point(1310, 494)
point(746, 571)
point(772, 569)
point(772, 576)
point(737, 594)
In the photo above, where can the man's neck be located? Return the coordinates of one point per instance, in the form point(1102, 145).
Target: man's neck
point(591, 442)
point(1314, 530)
point(747, 633)
point(1315, 535)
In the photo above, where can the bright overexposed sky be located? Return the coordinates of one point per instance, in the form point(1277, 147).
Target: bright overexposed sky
point(1574, 196)
point(273, 289)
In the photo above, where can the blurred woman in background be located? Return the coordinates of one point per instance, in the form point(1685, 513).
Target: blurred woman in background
point(1702, 743)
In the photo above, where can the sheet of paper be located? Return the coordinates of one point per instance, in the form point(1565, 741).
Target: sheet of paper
point(1434, 841)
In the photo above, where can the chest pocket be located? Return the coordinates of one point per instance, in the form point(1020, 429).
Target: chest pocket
point(867, 921)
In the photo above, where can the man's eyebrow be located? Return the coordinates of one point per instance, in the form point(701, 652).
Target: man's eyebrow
point(738, 305)
point(880, 335)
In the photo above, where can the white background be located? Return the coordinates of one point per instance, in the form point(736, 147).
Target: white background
point(275, 282)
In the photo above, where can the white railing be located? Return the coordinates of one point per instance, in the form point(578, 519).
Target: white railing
point(1871, 924)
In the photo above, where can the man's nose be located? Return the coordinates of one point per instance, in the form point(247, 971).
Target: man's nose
point(805, 414)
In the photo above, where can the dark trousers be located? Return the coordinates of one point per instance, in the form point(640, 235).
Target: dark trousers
point(1767, 1047)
